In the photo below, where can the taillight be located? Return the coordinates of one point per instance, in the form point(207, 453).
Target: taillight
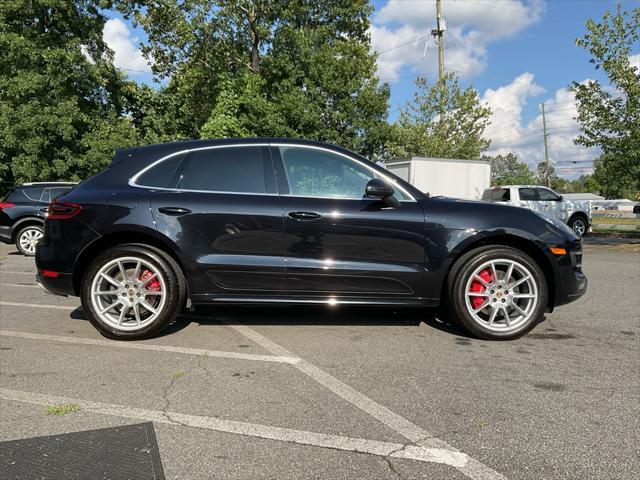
point(62, 210)
point(6, 205)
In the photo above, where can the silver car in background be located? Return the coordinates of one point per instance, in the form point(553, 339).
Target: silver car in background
point(576, 214)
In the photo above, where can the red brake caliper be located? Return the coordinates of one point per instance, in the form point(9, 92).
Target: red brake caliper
point(153, 285)
point(476, 286)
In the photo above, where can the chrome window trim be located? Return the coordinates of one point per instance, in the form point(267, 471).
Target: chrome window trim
point(134, 178)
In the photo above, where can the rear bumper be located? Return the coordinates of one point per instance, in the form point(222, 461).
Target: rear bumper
point(62, 285)
point(6, 234)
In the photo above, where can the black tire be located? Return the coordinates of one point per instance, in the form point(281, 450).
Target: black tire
point(462, 271)
point(24, 231)
point(579, 220)
point(166, 267)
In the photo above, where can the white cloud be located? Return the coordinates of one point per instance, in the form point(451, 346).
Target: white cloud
point(471, 27)
point(127, 55)
point(634, 60)
point(517, 127)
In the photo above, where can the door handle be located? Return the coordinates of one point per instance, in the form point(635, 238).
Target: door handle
point(175, 211)
point(305, 216)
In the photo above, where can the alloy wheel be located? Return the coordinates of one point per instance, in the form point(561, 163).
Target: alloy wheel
point(128, 293)
point(29, 238)
point(501, 295)
point(579, 227)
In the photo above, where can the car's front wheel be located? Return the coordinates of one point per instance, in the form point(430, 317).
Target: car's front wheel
point(579, 224)
point(131, 292)
point(497, 293)
point(27, 239)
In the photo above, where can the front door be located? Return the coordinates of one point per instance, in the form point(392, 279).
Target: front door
point(225, 216)
point(339, 245)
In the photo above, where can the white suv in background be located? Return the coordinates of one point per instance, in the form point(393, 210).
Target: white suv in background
point(576, 214)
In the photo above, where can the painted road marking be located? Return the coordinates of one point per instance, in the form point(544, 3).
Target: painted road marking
point(19, 273)
point(38, 305)
point(415, 434)
point(336, 442)
point(151, 347)
point(31, 285)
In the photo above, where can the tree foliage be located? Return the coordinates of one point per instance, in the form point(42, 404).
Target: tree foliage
point(62, 103)
point(508, 170)
point(300, 68)
point(444, 120)
point(609, 116)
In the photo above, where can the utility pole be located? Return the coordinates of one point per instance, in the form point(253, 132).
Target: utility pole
point(439, 32)
point(546, 151)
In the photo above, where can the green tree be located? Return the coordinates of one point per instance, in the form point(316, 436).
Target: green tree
point(508, 170)
point(557, 183)
point(62, 103)
point(300, 68)
point(442, 121)
point(584, 183)
point(609, 116)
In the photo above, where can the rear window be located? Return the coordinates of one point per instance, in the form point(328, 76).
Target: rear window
point(230, 169)
point(497, 195)
point(160, 175)
point(33, 193)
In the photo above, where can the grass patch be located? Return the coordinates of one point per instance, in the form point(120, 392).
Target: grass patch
point(616, 221)
point(63, 409)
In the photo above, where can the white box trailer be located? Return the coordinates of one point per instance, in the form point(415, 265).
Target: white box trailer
point(444, 176)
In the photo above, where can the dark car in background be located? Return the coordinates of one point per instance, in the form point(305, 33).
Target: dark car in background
point(22, 213)
point(281, 222)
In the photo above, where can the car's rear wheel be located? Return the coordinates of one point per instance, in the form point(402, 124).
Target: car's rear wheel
point(27, 239)
point(497, 293)
point(131, 292)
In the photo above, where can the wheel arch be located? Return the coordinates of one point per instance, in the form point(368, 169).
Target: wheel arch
point(507, 240)
point(120, 238)
point(25, 222)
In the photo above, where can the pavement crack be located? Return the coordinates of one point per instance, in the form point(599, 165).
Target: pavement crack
point(167, 389)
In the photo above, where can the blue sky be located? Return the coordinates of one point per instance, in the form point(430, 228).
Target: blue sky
point(516, 53)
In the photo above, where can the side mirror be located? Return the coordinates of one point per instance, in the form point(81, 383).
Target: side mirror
point(377, 188)
point(560, 198)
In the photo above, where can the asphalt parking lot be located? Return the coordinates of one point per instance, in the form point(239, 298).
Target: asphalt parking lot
point(301, 393)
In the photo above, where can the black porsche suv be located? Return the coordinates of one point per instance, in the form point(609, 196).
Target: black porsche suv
point(22, 213)
point(281, 221)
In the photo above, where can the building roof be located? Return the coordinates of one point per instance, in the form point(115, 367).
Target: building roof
point(582, 196)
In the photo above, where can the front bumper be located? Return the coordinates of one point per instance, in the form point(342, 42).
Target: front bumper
point(571, 282)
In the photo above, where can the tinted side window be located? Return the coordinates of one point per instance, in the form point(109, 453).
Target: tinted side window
point(318, 173)
point(501, 195)
point(527, 194)
point(33, 193)
point(547, 195)
point(227, 169)
point(46, 195)
point(160, 175)
point(58, 191)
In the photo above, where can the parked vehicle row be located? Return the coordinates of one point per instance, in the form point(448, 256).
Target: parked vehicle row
point(22, 213)
point(280, 221)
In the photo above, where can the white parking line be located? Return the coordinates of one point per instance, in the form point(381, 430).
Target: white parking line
point(151, 347)
point(37, 305)
point(472, 469)
point(426, 446)
point(16, 272)
point(30, 285)
point(336, 442)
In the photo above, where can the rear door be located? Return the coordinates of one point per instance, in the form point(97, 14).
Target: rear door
point(223, 212)
point(338, 244)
